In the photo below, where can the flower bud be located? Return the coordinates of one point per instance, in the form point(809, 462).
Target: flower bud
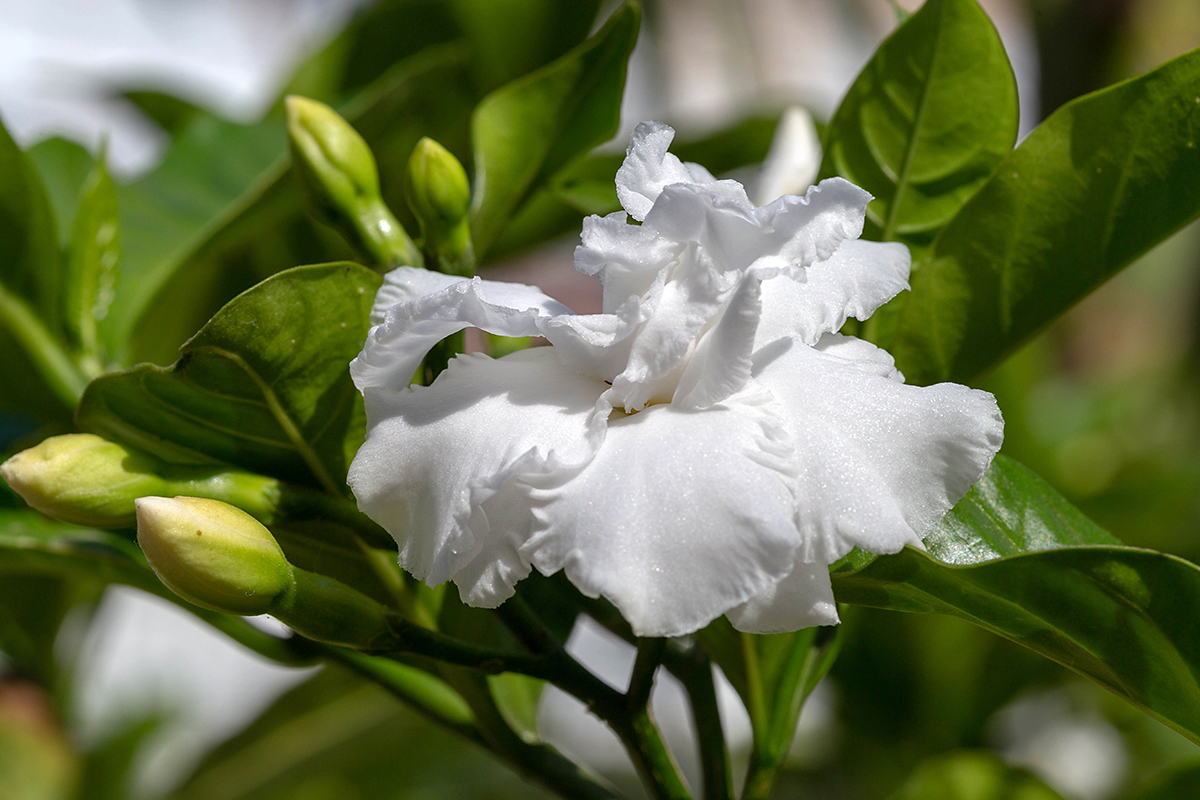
point(440, 196)
point(340, 183)
point(86, 480)
point(83, 479)
point(212, 554)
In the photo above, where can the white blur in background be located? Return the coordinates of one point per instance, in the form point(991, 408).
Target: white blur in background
point(63, 65)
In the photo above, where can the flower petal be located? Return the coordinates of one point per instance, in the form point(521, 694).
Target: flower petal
point(792, 231)
point(435, 455)
point(439, 306)
point(648, 167)
point(628, 258)
point(855, 281)
point(880, 462)
point(801, 600)
point(679, 517)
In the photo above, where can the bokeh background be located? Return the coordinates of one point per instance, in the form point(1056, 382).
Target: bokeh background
point(1105, 405)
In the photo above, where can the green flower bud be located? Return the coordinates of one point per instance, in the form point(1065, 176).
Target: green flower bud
point(340, 183)
point(86, 480)
point(438, 191)
point(440, 196)
point(83, 479)
point(212, 554)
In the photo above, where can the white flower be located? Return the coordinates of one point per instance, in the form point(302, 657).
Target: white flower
point(707, 445)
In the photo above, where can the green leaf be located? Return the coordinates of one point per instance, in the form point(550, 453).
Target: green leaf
point(1126, 618)
point(1100, 182)
point(526, 131)
point(31, 544)
point(1181, 783)
point(92, 267)
point(30, 268)
point(263, 385)
point(64, 166)
point(927, 120)
point(108, 766)
point(972, 775)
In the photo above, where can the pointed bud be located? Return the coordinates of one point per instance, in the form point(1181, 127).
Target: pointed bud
point(340, 183)
point(86, 480)
point(212, 554)
point(440, 196)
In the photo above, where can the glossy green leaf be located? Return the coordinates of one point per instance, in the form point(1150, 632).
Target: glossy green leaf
point(927, 120)
point(93, 260)
point(1125, 618)
point(972, 775)
point(264, 385)
point(526, 131)
point(29, 260)
point(1101, 181)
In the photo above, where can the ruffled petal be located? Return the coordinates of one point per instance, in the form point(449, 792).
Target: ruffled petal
point(628, 258)
point(880, 462)
point(801, 600)
point(394, 349)
point(437, 462)
point(855, 281)
point(792, 231)
point(679, 517)
point(648, 167)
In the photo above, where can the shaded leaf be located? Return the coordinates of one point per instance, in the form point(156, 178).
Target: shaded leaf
point(1100, 182)
point(927, 120)
point(526, 131)
point(264, 385)
point(64, 166)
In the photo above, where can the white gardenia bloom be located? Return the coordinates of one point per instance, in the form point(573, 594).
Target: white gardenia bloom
point(707, 445)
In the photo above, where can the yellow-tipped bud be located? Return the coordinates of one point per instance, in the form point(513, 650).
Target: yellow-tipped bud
point(83, 479)
point(340, 182)
point(213, 555)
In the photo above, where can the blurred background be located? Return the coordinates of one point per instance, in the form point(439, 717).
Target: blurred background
point(1105, 404)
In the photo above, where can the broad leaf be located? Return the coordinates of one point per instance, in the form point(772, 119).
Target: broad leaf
point(1100, 182)
point(972, 775)
point(64, 166)
point(927, 120)
point(526, 131)
point(264, 385)
point(92, 266)
point(1128, 619)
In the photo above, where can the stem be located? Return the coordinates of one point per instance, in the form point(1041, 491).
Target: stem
point(632, 723)
point(51, 363)
point(641, 682)
point(694, 670)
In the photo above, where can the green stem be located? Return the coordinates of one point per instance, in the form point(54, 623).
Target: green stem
point(641, 682)
point(47, 357)
point(632, 723)
point(376, 233)
point(694, 670)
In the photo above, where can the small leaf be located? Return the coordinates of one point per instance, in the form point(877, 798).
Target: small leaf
point(927, 120)
point(263, 385)
point(526, 131)
point(93, 258)
point(972, 775)
point(1100, 182)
